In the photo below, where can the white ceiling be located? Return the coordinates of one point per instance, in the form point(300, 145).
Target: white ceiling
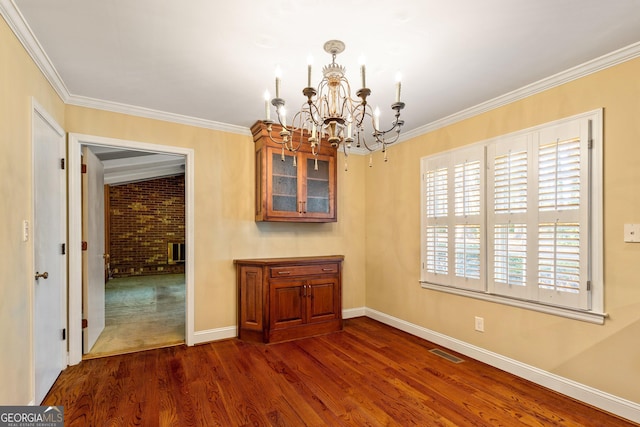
point(124, 166)
point(210, 61)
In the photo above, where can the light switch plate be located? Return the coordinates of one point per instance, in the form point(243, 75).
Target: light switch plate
point(632, 233)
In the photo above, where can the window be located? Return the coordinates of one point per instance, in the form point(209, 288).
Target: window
point(516, 219)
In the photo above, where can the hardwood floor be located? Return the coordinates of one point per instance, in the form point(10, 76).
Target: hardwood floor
point(142, 312)
point(369, 374)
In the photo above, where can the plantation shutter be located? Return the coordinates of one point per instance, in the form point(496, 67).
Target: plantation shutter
point(563, 215)
point(509, 223)
point(467, 240)
point(538, 205)
point(453, 219)
point(435, 228)
point(517, 219)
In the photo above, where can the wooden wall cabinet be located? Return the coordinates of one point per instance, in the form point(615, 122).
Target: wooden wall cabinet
point(304, 191)
point(281, 299)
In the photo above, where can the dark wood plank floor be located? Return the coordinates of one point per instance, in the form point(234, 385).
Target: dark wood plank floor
point(367, 375)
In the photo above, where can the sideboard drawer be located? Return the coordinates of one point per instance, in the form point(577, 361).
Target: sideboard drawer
point(303, 270)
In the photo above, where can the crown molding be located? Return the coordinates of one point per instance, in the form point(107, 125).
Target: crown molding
point(21, 29)
point(23, 32)
point(608, 60)
point(149, 113)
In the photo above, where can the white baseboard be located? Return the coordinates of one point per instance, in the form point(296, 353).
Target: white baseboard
point(217, 334)
point(354, 312)
point(232, 331)
point(605, 401)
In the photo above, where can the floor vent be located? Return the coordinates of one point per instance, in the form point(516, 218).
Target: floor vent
point(445, 355)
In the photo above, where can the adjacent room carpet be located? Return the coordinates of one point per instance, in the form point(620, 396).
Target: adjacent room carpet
point(142, 312)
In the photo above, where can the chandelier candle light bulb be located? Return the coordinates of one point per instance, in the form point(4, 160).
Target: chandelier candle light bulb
point(398, 83)
point(309, 64)
point(278, 76)
point(267, 110)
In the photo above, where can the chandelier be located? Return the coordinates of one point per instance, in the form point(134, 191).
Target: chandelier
point(331, 114)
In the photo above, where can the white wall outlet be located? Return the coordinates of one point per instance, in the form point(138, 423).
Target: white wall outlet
point(479, 326)
point(25, 230)
point(632, 233)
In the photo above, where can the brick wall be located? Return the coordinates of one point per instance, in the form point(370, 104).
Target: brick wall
point(144, 218)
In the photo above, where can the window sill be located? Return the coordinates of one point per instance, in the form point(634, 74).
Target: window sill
point(585, 316)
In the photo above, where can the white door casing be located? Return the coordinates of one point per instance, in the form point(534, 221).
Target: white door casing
point(93, 283)
point(76, 141)
point(49, 235)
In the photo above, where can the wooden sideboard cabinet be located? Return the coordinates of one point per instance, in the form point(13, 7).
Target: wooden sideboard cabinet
point(304, 191)
point(281, 299)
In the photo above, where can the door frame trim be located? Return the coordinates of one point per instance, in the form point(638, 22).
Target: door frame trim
point(76, 141)
point(38, 109)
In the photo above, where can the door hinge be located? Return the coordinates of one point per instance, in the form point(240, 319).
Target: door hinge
point(64, 248)
point(588, 285)
point(62, 164)
point(64, 334)
point(85, 323)
point(84, 246)
point(83, 168)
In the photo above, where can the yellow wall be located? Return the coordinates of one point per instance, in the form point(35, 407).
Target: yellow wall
point(20, 80)
point(605, 357)
point(224, 211)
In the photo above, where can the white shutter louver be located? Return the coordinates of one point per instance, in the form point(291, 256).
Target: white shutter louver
point(467, 248)
point(437, 251)
point(437, 193)
point(559, 175)
point(467, 188)
point(510, 183)
point(559, 257)
point(510, 254)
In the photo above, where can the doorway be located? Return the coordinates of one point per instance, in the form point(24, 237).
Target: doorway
point(137, 207)
point(76, 143)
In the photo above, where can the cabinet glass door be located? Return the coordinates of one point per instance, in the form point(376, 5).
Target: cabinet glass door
point(284, 176)
point(318, 186)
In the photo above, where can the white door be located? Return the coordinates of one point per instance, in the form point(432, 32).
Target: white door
point(93, 258)
point(49, 235)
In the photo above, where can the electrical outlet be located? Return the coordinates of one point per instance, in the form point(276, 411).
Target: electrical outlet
point(479, 324)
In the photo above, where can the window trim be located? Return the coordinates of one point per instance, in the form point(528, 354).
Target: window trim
point(596, 313)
